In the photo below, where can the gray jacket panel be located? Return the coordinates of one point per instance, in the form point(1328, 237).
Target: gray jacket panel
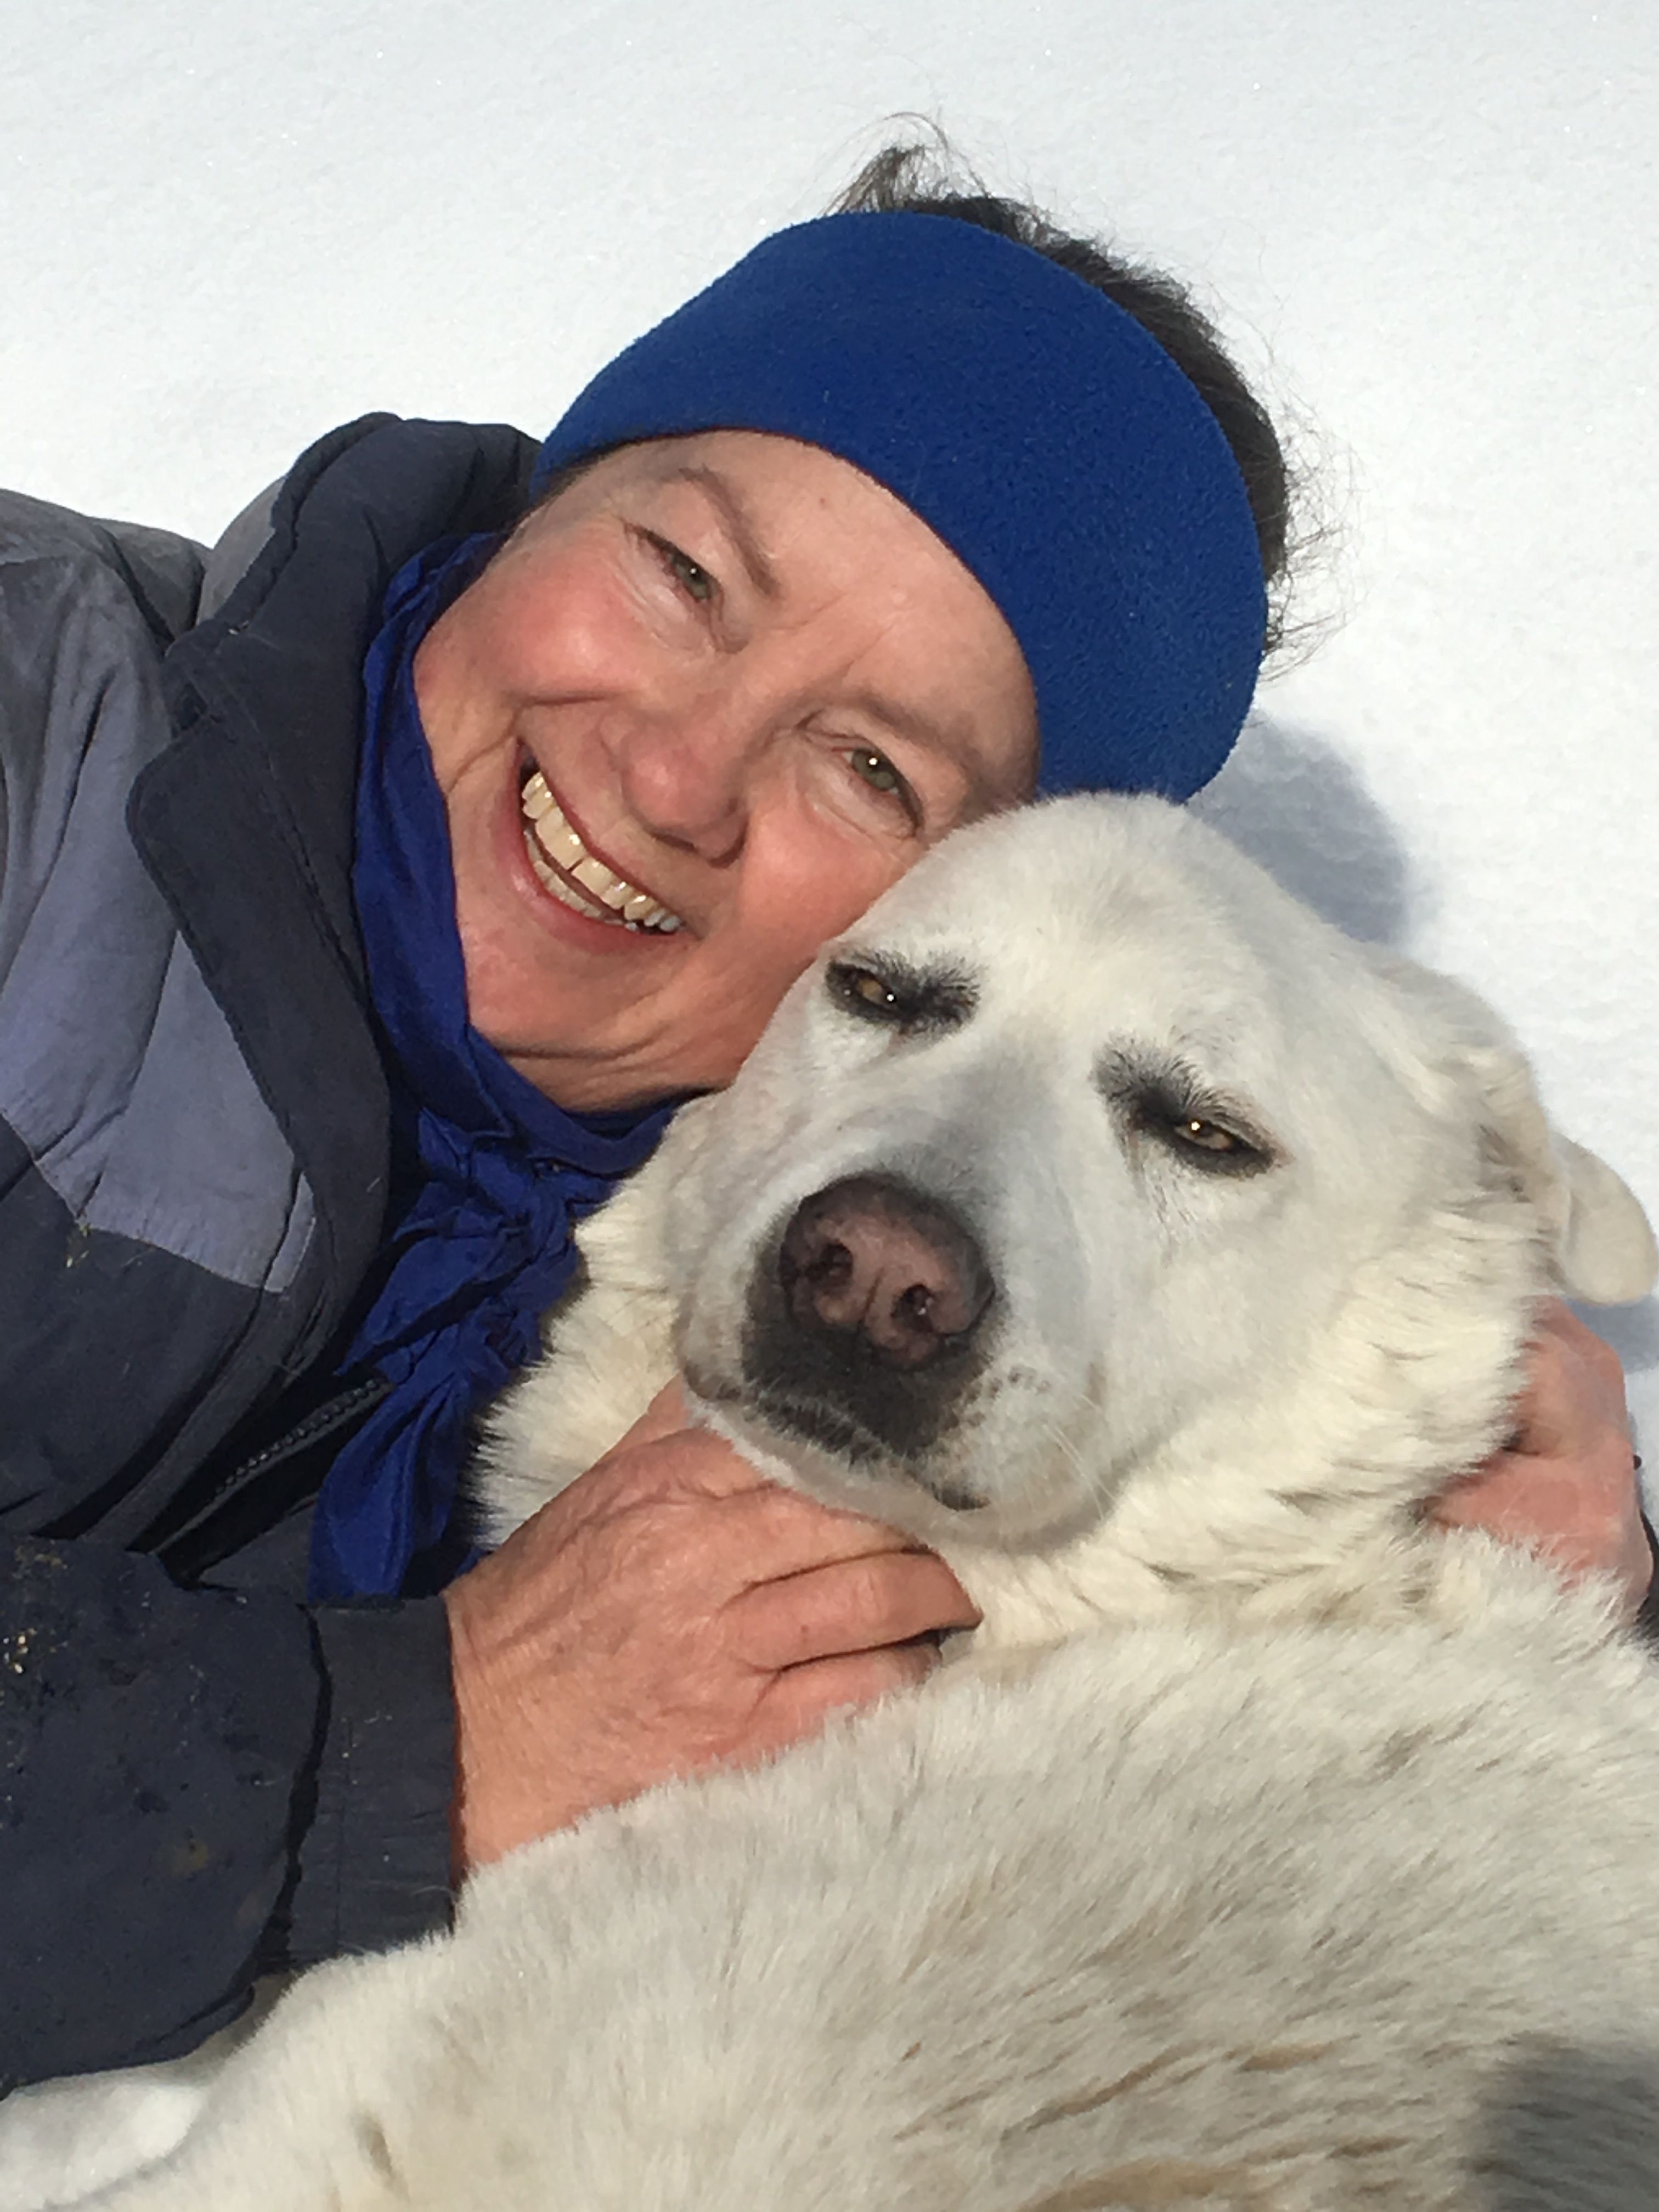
point(196, 1783)
point(120, 1082)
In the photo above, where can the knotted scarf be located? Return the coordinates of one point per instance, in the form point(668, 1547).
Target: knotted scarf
point(489, 1175)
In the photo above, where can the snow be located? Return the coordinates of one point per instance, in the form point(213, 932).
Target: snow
point(1430, 230)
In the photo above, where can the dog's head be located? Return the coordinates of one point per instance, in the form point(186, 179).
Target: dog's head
point(1089, 1155)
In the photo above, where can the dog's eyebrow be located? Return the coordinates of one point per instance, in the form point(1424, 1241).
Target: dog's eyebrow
point(1129, 1071)
point(1164, 1085)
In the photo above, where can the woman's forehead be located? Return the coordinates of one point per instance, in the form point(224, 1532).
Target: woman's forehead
point(810, 532)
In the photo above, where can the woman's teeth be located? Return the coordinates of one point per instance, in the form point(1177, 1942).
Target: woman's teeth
point(552, 844)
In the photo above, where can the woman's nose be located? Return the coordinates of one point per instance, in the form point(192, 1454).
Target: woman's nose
point(686, 773)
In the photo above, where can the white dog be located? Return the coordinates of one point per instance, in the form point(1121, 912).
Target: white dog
point(1097, 1215)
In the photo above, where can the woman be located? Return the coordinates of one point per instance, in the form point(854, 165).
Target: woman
point(369, 896)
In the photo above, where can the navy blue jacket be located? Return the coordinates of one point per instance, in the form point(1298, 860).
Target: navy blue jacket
point(201, 1777)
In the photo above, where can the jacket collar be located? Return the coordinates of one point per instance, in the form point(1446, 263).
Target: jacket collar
point(244, 823)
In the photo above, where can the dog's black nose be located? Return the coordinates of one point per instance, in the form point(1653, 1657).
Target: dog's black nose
point(892, 1272)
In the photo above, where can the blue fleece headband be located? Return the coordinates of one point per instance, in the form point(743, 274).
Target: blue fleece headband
point(1034, 426)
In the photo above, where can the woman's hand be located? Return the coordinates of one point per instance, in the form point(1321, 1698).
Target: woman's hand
point(1565, 1486)
point(671, 1611)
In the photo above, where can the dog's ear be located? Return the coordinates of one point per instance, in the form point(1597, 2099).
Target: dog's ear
point(1605, 1252)
point(1608, 1253)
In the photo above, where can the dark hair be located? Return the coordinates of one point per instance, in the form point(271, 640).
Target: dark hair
point(930, 180)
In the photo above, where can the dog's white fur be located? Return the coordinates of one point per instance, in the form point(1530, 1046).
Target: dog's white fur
point(1319, 1866)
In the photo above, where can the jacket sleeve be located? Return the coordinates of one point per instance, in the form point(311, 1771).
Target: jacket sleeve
point(197, 1787)
point(196, 1784)
point(373, 1864)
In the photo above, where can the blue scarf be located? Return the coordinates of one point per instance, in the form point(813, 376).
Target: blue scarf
point(488, 1176)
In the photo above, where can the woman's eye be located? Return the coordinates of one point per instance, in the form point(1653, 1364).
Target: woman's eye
point(875, 770)
point(879, 773)
point(693, 580)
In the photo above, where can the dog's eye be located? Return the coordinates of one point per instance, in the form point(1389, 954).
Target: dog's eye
point(1211, 1144)
point(1163, 1101)
point(898, 998)
point(861, 990)
point(1208, 1136)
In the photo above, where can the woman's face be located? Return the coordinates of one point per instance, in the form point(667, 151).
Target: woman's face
point(703, 707)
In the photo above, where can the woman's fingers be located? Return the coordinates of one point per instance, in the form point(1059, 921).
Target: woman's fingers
point(694, 1489)
point(771, 1536)
point(846, 1606)
point(670, 1611)
point(1566, 1485)
point(1574, 1400)
point(798, 1701)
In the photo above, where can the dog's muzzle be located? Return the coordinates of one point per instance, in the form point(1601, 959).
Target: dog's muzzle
point(865, 1321)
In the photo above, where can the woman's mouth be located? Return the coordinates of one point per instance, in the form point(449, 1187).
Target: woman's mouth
point(577, 878)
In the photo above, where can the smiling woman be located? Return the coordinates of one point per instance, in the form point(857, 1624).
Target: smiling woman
point(729, 678)
point(374, 884)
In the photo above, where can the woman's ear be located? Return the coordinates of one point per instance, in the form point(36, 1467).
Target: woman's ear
point(1605, 1253)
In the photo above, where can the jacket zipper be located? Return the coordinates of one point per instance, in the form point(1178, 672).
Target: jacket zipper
point(335, 1413)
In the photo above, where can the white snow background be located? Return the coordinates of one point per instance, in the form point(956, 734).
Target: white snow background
point(1428, 225)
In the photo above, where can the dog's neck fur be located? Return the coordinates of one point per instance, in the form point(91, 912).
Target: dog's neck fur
point(1304, 1509)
